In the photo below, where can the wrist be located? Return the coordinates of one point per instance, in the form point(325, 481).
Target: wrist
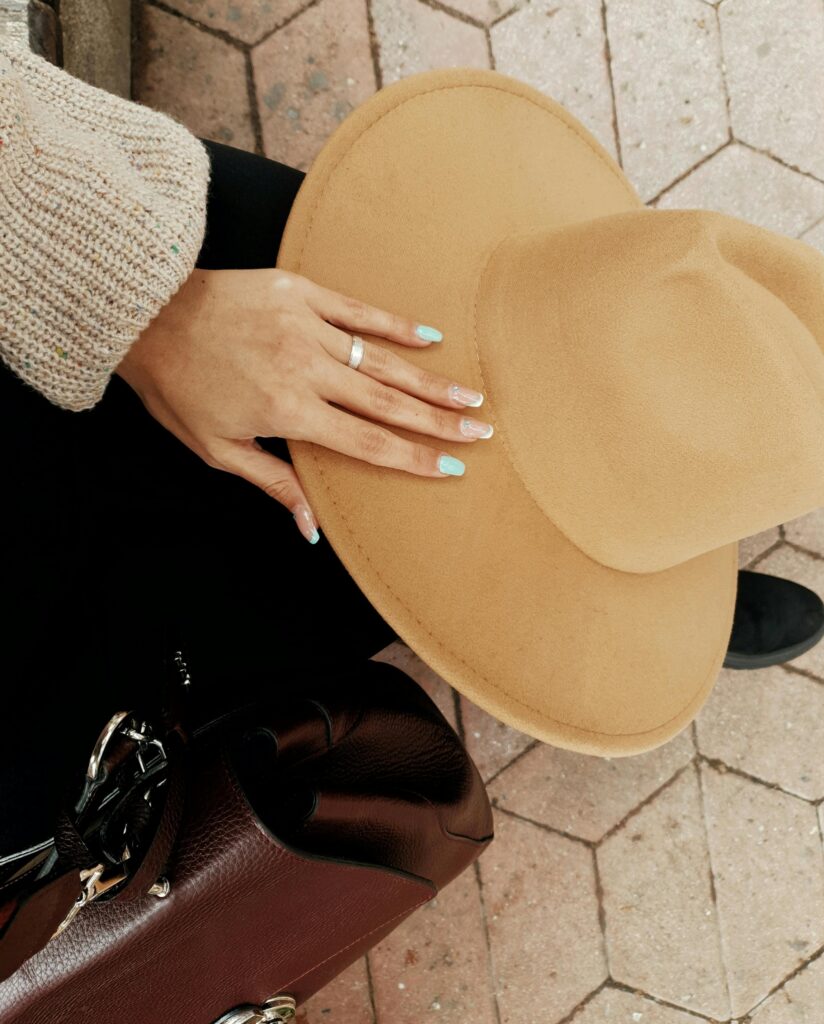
point(153, 343)
point(133, 367)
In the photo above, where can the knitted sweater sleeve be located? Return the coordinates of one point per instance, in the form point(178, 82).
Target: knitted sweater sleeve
point(102, 214)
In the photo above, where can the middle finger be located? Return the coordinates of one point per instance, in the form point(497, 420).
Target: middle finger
point(368, 397)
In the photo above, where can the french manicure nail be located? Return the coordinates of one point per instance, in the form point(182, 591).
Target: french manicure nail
point(465, 396)
point(306, 523)
point(451, 466)
point(474, 428)
point(428, 333)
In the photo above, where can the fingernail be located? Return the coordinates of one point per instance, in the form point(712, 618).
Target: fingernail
point(465, 396)
point(306, 523)
point(474, 428)
point(428, 333)
point(450, 466)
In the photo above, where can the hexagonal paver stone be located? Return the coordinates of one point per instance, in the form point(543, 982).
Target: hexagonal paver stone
point(775, 75)
point(815, 236)
point(770, 724)
point(559, 47)
point(345, 1000)
point(661, 924)
point(614, 1006)
point(750, 185)
point(809, 571)
point(310, 75)
point(407, 661)
point(586, 796)
point(491, 744)
point(413, 37)
point(767, 861)
point(194, 76)
point(800, 1001)
point(542, 916)
point(241, 19)
point(807, 531)
point(669, 94)
point(751, 548)
point(436, 964)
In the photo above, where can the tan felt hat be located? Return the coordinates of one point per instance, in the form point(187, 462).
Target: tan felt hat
point(656, 383)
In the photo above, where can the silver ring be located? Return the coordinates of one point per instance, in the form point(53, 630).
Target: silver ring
point(356, 352)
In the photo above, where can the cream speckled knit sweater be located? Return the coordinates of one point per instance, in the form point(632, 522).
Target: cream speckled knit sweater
point(102, 214)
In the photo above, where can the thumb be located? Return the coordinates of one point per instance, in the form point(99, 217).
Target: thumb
point(277, 478)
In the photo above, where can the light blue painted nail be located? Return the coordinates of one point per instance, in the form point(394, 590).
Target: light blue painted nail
point(452, 467)
point(428, 333)
point(315, 537)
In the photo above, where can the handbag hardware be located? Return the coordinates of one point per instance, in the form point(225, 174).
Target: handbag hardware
point(161, 888)
point(94, 884)
point(119, 721)
point(276, 1010)
point(149, 754)
point(25, 862)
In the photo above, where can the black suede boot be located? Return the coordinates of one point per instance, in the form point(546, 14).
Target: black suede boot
point(775, 620)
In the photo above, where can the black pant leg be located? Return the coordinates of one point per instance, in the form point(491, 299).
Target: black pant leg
point(121, 541)
point(248, 203)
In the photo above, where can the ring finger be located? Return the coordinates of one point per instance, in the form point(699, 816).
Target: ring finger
point(336, 429)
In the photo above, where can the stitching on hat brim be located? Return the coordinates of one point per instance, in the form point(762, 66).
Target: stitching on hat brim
point(472, 669)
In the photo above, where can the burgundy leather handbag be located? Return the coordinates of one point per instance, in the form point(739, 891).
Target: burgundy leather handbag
point(293, 835)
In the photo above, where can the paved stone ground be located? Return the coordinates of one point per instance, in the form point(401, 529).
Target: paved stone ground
point(686, 885)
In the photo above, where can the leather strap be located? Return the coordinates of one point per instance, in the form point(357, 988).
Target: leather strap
point(160, 848)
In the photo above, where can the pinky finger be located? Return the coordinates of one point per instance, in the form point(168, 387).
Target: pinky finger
point(305, 522)
point(274, 476)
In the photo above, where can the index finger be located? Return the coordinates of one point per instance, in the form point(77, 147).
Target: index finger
point(354, 315)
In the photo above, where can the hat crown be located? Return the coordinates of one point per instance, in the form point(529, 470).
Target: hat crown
point(657, 379)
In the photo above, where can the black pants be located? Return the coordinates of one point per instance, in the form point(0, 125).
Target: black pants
point(121, 543)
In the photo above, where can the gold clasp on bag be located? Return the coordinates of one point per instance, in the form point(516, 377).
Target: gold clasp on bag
point(94, 883)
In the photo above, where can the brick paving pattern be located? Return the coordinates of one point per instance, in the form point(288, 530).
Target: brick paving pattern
point(686, 885)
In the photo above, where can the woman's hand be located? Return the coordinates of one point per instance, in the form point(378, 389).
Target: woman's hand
point(242, 354)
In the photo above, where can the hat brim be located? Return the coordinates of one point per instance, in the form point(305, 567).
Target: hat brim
point(399, 210)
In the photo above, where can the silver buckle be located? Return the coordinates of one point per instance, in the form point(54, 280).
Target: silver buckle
point(276, 1010)
point(132, 729)
point(103, 740)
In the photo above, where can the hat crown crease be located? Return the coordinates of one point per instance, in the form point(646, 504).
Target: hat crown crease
point(657, 379)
